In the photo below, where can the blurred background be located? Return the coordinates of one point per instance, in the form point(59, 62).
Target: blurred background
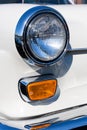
point(80, 1)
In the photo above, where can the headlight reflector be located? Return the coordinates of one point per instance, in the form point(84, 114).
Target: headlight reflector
point(46, 37)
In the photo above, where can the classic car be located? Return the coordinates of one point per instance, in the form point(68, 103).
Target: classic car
point(43, 61)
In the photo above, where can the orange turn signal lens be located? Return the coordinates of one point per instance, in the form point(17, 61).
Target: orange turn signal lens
point(40, 127)
point(41, 90)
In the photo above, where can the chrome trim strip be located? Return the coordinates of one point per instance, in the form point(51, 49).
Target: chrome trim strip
point(70, 113)
point(77, 51)
point(69, 125)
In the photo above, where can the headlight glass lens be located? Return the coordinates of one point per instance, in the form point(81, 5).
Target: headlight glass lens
point(46, 37)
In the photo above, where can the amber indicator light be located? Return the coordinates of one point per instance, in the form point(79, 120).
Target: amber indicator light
point(40, 127)
point(42, 89)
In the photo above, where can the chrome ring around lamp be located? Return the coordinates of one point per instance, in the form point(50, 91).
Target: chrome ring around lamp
point(42, 36)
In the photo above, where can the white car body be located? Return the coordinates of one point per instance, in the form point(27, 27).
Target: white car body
point(73, 84)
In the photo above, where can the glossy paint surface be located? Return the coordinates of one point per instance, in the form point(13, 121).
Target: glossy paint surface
point(71, 73)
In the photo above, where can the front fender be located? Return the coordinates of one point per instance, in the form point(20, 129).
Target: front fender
point(71, 74)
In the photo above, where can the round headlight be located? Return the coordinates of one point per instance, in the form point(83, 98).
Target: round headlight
point(44, 35)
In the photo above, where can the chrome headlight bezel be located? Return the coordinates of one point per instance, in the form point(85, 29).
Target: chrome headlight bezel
point(21, 32)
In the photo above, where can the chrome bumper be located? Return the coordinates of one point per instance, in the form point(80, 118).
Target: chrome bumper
point(70, 113)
